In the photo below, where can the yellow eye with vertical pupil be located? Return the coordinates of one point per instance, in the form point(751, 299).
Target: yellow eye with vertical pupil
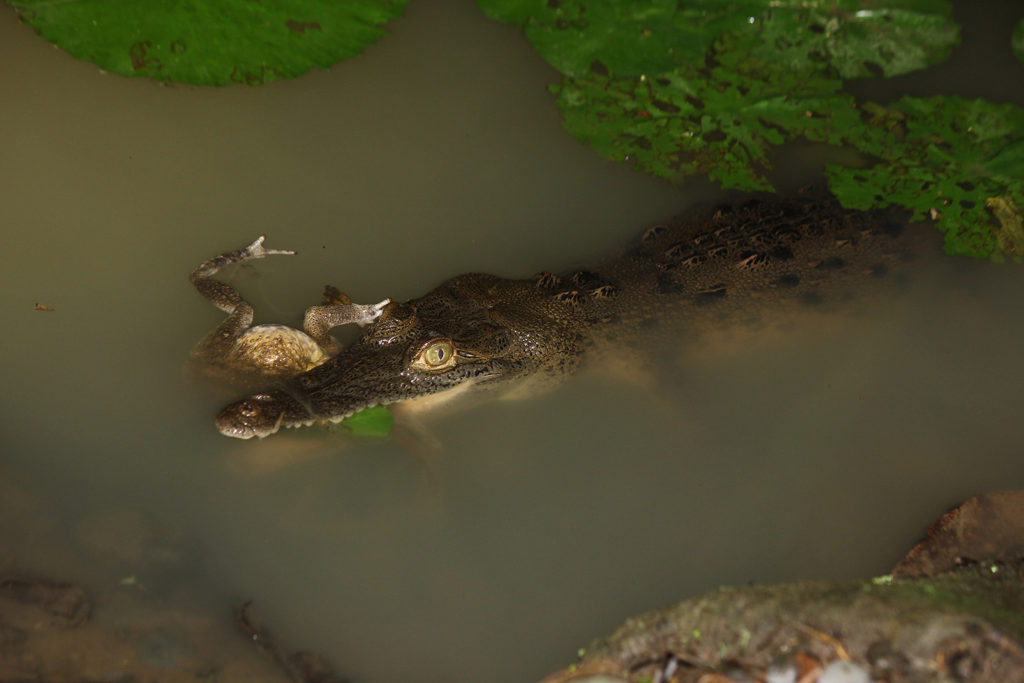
point(438, 354)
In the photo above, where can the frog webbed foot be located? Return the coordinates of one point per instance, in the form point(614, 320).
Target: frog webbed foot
point(223, 295)
point(319, 320)
point(333, 295)
point(257, 250)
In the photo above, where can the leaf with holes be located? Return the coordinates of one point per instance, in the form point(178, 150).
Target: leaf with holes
point(210, 43)
point(768, 80)
point(947, 158)
point(619, 37)
point(717, 121)
point(628, 38)
point(858, 39)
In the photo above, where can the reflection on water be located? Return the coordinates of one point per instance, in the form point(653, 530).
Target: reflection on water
point(539, 524)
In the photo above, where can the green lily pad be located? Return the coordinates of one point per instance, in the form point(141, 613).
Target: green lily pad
point(855, 38)
point(948, 159)
point(776, 78)
point(858, 38)
point(1017, 41)
point(374, 421)
point(683, 122)
point(210, 43)
point(721, 120)
point(767, 80)
point(620, 38)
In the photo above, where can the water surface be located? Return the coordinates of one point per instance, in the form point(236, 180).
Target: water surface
point(539, 524)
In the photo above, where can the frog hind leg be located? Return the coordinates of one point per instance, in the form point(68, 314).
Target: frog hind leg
point(224, 296)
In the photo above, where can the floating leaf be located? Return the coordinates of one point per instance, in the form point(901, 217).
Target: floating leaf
point(775, 78)
point(620, 38)
point(710, 86)
point(373, 421)
point(858, 39)
point(210, 43)
point(769, 79)
point(942, 157)
point(717, 121)
point(628, 38)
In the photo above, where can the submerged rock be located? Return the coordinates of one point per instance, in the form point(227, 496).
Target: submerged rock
point(967, 625)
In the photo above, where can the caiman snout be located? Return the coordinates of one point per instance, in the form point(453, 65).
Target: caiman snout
point(259, 415)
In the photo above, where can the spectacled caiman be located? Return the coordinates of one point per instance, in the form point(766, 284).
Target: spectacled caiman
point(477, 331)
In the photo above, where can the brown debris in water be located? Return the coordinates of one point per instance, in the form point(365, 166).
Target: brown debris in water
point(986, 527)
point(301, 667)
point(42, 605)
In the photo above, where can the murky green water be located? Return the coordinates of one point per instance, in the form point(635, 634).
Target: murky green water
point(540, 524)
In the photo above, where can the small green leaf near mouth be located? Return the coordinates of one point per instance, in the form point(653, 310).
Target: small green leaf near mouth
point(376, 421)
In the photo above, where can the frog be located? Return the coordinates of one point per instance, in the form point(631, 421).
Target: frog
point(239, 350)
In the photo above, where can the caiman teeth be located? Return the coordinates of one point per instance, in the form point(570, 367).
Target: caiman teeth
point(335, 419)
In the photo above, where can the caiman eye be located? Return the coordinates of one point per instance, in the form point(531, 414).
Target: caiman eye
point(436, 355)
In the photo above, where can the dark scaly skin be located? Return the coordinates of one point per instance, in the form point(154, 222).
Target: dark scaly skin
point(479, 331)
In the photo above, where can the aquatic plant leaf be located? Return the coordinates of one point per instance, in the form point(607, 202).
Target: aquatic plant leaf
point(619, 37)
point(944, 158)
point(1017, 41)
point(210, 43)
point(374, 421)
point(628, 38)
point(858, 39)
point(719, 121)
point(768, 79)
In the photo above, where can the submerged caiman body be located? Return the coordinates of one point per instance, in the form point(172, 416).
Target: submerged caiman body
point(480, 331)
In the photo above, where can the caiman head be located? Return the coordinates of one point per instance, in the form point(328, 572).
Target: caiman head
point(471, 332)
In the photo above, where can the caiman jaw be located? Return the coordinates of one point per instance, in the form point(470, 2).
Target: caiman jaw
point(261, 415)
